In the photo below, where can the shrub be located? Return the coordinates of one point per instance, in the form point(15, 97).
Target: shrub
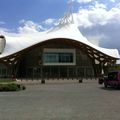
point(11, 87)
point(7, 81)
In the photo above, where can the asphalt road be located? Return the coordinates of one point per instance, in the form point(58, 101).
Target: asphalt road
point(61, 101)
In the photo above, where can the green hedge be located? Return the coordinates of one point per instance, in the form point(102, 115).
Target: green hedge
point(11, 87)
point(6, 81)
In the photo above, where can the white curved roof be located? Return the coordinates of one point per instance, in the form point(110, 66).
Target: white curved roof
point(68, 31)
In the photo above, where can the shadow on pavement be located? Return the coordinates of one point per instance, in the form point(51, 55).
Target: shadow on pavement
point(110, 88)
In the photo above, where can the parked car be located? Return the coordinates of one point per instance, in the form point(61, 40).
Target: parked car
point(113, 79)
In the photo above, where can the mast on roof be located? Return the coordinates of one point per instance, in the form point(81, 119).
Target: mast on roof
point(68, 16)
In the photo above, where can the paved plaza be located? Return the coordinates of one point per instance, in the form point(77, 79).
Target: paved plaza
point(61, 101)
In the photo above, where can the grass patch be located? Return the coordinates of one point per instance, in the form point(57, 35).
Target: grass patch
point(7, 81)
point(11, 87)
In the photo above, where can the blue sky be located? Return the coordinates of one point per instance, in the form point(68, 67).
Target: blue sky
point(98, 20)
point(12, 11)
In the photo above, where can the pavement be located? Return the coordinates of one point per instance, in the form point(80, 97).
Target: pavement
point(61, 100)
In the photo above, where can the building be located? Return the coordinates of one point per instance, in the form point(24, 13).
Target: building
point(62, 52)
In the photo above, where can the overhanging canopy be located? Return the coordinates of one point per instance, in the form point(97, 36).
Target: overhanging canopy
point(68, 31)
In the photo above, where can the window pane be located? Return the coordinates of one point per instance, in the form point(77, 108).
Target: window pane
point(58, 58)
point(65, 57)
point(51, 57)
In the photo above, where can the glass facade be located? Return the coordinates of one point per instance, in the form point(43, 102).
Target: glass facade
point(53, 61)
point(4, 71)
point(58, 72)
point(58, 58)
point(57, 63)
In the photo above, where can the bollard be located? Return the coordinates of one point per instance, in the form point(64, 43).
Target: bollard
point(43, 81)
point(80, 80)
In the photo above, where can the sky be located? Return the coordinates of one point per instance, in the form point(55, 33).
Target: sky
point(98, 20)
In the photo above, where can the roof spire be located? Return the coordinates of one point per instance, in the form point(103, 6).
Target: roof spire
point(68, 17)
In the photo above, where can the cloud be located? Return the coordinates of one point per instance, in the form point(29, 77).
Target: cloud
point(49, 21)
point(29, 27)
point(97, 14)
point(112, 1)
point(82, 1)
point(2, 22)
point(100, 24)
point(3, 31)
